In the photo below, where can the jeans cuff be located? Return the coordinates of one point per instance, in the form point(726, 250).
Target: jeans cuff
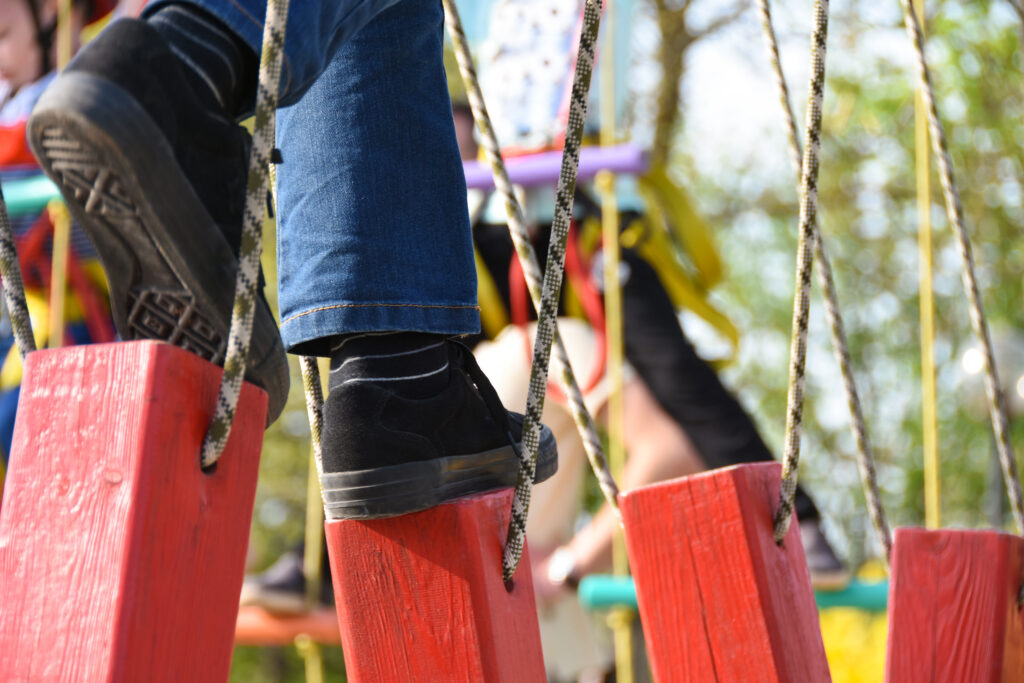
point(349, 318)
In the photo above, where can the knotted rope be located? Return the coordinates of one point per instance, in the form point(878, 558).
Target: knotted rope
point(252, 237)
point(865, 457)
point(804, 257)
point(955, 212)
point(531, 269)
point(14, 288)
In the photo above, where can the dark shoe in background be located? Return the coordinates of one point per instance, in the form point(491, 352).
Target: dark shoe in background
point(281, 589)
point(827, 572)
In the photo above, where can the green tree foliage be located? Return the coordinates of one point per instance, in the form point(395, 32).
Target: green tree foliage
point(868, 199)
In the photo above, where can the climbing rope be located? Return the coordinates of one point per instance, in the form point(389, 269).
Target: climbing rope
point(954, 209)
point(804, 257)
point(14, 288)
point(548, 310)
point(544, 300)
point(314, 406)
point(251, 245)
point(865, 457)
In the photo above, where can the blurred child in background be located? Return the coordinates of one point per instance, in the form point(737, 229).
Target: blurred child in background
point(28, 56)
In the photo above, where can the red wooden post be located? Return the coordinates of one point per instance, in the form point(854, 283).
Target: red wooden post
point(719, 600)
point(120, 559)
point(420, 597)
point(953, 610)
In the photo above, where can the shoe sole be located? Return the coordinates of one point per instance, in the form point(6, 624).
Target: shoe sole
point(401, 489)
point(170, 269)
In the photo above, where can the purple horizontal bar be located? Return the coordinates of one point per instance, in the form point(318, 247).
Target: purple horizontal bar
point(543, 168)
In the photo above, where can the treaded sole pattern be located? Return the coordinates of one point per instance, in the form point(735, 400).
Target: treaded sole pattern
point(170, 268)
point(153, 313)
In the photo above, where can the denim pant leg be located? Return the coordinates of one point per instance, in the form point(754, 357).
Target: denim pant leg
point(373, 227)
point(316, 29)
point(371, 198)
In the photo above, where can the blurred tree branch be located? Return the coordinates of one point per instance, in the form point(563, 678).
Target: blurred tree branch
point(677, 36)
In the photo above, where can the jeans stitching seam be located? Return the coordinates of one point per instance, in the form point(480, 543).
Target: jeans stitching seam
point(336, 306)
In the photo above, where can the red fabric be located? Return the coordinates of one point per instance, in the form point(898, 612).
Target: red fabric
point(590, 298)
point(36, 271)
point(100, 9)
point(14, 150)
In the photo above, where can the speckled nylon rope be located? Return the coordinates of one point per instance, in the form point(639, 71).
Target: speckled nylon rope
point(548, 311)
point(314, 406)
point(527, 257)
point(954, 209)
point(804, 258)
point(251, 246)
point(14, 288)
point(865, 457)
point(547, 301)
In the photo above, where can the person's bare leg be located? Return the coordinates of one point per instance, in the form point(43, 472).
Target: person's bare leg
point(658, 449)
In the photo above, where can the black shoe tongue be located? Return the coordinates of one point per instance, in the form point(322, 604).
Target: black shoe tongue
point(412, 365)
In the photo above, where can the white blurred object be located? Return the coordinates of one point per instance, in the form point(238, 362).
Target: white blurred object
point(525, 69)
point(1008, 347)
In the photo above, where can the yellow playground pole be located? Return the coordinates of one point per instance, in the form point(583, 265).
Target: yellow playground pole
point(61, 219)
point(312, 561)
point(929, 420)
point(620, 619)
point(58, 212)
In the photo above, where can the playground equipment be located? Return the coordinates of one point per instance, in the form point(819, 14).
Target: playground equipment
point(601, 592)
point(113, 531)
point(121, 427)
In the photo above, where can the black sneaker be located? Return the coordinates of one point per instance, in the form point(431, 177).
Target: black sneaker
point(386, 455)
point(157, 180)
point(826, 570)
point(281, 589)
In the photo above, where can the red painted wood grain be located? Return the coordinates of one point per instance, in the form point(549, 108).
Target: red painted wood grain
point(719, 600)
point(121, 560)
point(420, 597)
point(953, 612)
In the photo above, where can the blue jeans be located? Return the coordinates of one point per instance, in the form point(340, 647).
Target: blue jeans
point(373, 229)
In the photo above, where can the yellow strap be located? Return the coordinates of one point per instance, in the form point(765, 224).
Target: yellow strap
point(668, 204)
point(493, 316)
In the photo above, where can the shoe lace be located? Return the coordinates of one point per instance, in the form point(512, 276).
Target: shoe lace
point(464, 357)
